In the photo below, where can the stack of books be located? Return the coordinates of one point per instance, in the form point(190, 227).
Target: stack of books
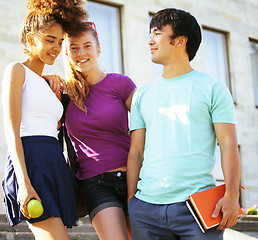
point(202, 206)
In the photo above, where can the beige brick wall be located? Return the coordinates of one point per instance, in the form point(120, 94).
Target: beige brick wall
point(11, 14)
point(237, 17)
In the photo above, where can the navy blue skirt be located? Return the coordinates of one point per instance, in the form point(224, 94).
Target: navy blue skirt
point(49, 175)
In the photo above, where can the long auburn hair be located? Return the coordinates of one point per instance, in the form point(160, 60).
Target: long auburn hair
point(77, 86)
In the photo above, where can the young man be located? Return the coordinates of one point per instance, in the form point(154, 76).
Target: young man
point(175, 122)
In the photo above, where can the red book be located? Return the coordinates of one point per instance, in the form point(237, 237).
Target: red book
point(202, 205)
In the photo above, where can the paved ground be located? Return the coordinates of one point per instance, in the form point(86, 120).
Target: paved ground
point(236, 235)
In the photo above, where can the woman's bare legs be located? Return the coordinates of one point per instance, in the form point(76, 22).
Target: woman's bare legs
point(49, 229)
point(128, 227)
point(110, 223)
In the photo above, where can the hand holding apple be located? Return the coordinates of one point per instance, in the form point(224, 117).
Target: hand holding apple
point(34, 208)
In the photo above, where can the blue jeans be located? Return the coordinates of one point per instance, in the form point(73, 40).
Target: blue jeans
point(165, 222)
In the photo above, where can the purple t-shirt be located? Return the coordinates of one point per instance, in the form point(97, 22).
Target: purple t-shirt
point(100, 137)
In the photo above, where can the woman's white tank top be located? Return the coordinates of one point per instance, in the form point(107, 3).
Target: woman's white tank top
point(41, 109)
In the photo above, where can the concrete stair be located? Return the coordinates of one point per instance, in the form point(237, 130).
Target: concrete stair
point(248, 225)
point(84, 231)
point(246, 229)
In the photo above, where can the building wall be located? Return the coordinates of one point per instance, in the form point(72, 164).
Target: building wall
point(237, 17)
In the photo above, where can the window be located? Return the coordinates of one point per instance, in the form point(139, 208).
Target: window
point(215, 55)
point(107, 20)
point(254, 63)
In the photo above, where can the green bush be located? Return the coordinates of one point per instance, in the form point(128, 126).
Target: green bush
point(251, 211)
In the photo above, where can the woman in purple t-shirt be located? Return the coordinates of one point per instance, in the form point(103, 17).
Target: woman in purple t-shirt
point(97, 123)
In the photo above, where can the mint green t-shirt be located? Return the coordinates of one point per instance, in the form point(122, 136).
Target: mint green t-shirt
point(178, 115)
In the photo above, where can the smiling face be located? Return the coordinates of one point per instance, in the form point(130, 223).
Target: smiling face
point(83, 52)
point(47, 45)
point(161, 45)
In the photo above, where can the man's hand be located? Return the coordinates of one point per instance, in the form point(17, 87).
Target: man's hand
point(229, 209)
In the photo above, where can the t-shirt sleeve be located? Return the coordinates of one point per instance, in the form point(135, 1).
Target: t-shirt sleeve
point(125, 87)
point(222, 106)
point(136, 118)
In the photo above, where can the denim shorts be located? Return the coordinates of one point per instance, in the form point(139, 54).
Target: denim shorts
point(105, 190)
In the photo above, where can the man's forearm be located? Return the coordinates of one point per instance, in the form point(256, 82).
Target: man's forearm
point(134, 165)
point(230, 162)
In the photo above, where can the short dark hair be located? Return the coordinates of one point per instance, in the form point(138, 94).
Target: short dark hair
point(183, 24)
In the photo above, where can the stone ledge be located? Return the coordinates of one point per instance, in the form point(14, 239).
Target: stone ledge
point(249, 218)
point(236, 235)
point(248, 223)
point(29, 236)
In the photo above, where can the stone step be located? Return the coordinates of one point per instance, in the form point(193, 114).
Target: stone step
point(4, 227)
point(247, 223)
point(84, 220)
point(29, 236)
point(84, 230)
point(23, 227)
point(253, 218)
point(3, 218)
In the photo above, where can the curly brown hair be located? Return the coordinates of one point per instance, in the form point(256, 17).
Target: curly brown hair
point(42, 14)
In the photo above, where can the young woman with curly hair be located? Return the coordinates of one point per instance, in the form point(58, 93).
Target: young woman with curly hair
point(36, 167)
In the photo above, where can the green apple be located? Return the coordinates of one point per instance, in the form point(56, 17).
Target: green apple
point(34, 208)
